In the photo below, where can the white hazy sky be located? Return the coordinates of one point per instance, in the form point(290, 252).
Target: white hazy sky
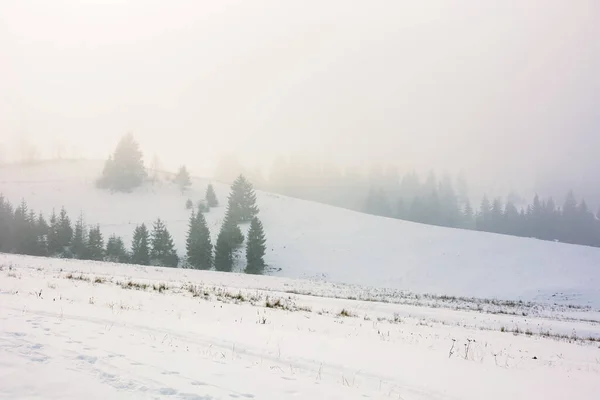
point(492, 87)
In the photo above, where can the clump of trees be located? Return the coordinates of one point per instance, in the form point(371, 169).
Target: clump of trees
point(22, 231)
point(183, 179)
point(241, 208)
point(124, 170)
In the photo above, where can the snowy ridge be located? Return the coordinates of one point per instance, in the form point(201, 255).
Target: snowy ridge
point(315, 241)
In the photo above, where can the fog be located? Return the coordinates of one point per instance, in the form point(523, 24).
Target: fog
point(506, 91)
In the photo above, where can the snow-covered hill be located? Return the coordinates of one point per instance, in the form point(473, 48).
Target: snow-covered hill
point(316, 241)
point(72, 329)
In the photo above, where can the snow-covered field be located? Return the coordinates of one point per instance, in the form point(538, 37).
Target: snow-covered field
point(71, 329)
point(315, 241)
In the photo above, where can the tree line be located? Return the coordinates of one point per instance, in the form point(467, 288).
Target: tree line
point(439, 203)
point(22, 231)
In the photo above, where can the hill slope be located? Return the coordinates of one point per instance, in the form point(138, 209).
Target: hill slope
point(311, 240)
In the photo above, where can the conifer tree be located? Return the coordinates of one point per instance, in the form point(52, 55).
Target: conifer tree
point(198, 244)
point(182, 179)
point(95, 244)
point(124, 170)
point(242, 201)
point(24, 233)
point(6, 225)
point(54, 246)
point(496, 216)
point(115, 250)
point(65, 231)
point(140, 248)
point(42, 235)
point(211, 196)
point(163, 250)
point(512, 220)
point(468, 215)
point(79, 245)
point(255, 248)
point(223, 251)
point(483, 220)
point(230, 238)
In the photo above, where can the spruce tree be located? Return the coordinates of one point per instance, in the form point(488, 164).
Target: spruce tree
point(223, 251)
point(124, 170)
point(65, 231)
point(255, 248)
point(211, 196)
point(79, 244)
point(42, 235)
point(163, 250)
point(182, 179)
point(483, 220)
point(24, 232)
point(230, 238)
point(54, 247)
point(496, 215)
point(6, 225)
point(140, 247)
point(468, 215)
point(242, 201)
point(198, 244)
point(115, 250)
point(512, 220)
point(95, 244)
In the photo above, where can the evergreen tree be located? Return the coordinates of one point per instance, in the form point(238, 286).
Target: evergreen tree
point(211, 196)
point(140, 248)
point(42, 235)
point(242, 200)
point(24, 233)
point(512, 220)
point(124, 170)
point(569, 219)
point(468, 215)
point(79, 245)
point(115, 250)
point(449, 209)
point(54, 246)
point(95, 244)
point(230, 238)
point(198, 244)
point(255, 248)
point(6, 225)
point(483, 220)
point(496, 216)
point(163, 250)
point(65, 231)
point(182, 179)
point(224, 251)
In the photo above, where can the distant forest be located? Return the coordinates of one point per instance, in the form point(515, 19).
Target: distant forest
point(436, 201)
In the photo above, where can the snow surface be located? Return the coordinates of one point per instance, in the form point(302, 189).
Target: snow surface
point(320, 242)
point(71, 329)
